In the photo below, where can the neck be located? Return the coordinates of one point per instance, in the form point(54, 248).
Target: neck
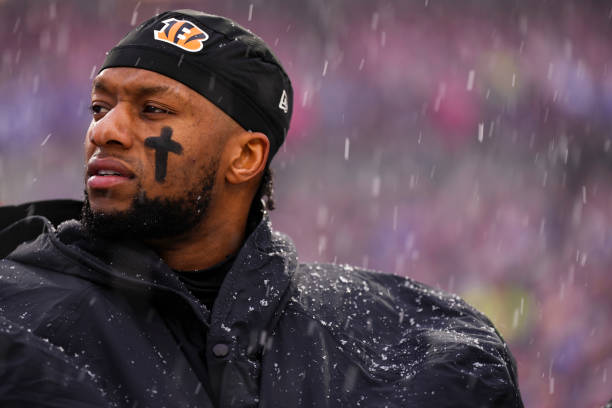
point(209, 243)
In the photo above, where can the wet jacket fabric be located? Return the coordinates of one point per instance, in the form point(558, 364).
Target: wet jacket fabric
point(36, 373)
point(281, 334)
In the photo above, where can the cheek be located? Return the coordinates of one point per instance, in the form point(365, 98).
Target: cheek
point(181, 172)
point(187, 168)
point(165, 151)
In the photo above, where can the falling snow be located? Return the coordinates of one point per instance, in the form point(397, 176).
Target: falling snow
point(462, 146)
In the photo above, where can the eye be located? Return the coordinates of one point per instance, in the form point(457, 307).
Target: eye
point(98, 110)
point(155, 109)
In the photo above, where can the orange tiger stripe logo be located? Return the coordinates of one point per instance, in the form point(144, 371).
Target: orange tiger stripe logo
point(181, 33)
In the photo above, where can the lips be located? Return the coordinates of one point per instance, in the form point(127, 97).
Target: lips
point(104, 173)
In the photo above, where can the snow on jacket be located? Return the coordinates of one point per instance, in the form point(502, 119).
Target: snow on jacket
point(280, 334)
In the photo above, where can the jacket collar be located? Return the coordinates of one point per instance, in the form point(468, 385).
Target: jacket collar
point(255, 290)
point(251, 296)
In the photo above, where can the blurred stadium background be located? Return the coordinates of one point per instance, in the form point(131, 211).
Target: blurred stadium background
point(466, 144)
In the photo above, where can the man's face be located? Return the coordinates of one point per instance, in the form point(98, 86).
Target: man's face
point(152, 153)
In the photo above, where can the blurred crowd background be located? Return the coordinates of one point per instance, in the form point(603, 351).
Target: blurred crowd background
point(466, 144)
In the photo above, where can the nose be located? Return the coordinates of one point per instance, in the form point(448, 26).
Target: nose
point(114, 128)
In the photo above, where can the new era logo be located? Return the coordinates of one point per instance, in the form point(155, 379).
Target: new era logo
point(284, 102)
point(181, 33)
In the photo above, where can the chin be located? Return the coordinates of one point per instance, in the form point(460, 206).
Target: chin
point(143, 217)
point(108, 205)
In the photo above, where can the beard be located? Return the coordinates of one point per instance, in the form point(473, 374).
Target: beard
point(152, 218)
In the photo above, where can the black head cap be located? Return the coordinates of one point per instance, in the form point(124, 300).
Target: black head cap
point(224, 62)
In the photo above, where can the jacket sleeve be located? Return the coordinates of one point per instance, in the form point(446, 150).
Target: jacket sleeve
point(34, 373)
point(463, 361)
point(467, 375)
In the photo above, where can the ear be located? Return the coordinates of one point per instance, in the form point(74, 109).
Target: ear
point(248, 156)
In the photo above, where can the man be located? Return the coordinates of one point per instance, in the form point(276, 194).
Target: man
point(172, 290)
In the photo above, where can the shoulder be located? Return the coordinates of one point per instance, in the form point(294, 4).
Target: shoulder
point(345, 290)
point(22, 223)
point(404, 330)
point(36, 285)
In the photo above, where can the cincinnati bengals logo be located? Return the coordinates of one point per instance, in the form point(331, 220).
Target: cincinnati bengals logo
point(181, 33)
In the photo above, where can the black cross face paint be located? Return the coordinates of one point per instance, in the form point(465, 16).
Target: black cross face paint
point(163, 145)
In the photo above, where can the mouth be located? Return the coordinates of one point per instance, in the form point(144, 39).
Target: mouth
point(105, 173)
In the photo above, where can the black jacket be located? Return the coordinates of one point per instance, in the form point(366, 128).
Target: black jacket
point(280, 334)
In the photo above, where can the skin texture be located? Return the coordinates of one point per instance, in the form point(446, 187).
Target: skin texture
point(130, 105)
point(163, 144)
